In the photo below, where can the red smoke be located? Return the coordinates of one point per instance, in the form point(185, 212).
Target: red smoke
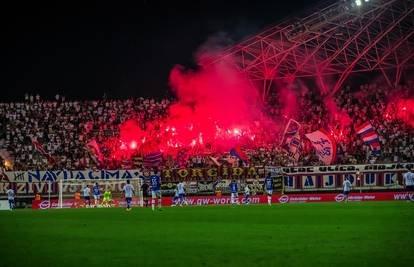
point(131, 135)
point(216, 103)
point(402, 109)
point(216, 108)
point(339, 118)
point(217, 93)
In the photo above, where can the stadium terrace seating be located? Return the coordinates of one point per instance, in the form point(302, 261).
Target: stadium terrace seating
point(65, 127)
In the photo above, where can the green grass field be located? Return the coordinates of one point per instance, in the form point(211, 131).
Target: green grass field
point(322, 234)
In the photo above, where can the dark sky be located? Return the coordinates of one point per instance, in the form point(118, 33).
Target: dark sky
point(119, 48)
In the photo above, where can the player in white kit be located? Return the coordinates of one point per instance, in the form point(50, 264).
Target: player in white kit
point(181, 193)
point(87, 197)
point(347, 188)
point(409, 183)
point(129, 192)
point(10, 198)
point(176, 198)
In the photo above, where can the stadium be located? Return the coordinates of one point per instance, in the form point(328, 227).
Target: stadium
point(261, 134)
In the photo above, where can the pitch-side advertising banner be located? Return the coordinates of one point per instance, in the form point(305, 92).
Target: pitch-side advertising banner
point(4, 205)
point(73, 203)
point(226, 200)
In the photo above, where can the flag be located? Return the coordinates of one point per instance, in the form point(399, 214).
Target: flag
point(151, 154)
point(215, 161)
point(94, 151)
point(292, 128)
point(294, 146)
point(291, 141)
point(369, 136)
point(39, 147)
point(231, 160)
point(137, 160)
point(238, 153)
point(324, 144)
point(152, 159)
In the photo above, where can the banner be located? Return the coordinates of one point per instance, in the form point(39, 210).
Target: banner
point(386, 167)
point(4, 205)
point(168, 188)
point(278, 183)
point(206, 187)
point(324, 145)
point(370, 137)
point(291, 141)
point(226, 200)
point(57, 175)
point(208, 180)
point(304, 198)
point(72, 203)
point(198, 173)
point(212, 173)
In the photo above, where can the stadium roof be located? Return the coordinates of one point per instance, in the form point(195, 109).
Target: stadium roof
point(339, 39)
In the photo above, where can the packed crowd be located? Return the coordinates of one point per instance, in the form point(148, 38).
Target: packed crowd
point(65, 127)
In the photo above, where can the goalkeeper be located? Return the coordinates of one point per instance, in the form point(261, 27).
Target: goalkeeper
point(107, 199)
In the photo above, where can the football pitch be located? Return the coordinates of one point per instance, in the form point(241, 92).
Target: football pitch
point(308, 234)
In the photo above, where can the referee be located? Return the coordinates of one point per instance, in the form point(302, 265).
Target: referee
point(145, 194)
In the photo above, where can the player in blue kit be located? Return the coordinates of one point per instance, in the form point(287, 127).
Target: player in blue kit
point(268, 184)
point(155, 181)
point(96, 194)
point(234, 192)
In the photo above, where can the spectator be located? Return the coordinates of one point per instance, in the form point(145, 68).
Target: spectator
point(65, 127)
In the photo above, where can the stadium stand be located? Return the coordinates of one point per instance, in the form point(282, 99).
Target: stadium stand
point(65, 127)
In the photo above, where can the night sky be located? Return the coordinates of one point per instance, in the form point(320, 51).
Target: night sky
point(120, 49)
